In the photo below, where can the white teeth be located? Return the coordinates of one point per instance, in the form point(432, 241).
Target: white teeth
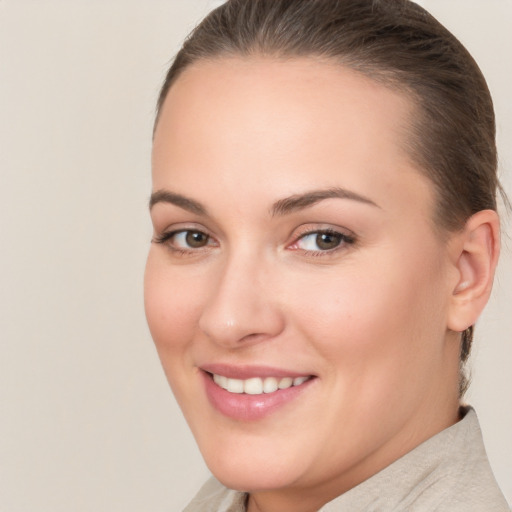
point(257, 385)
point(299, 380)
point(270, 385)
point(220, 380)
point(286, 382)
point(253, 386)
point(235, 386)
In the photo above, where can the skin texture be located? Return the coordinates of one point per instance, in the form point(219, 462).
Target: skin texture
point(373, 320)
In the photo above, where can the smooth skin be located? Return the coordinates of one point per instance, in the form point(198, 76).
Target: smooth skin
point(358, 290)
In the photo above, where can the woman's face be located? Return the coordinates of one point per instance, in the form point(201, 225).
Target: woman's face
point(294, 247)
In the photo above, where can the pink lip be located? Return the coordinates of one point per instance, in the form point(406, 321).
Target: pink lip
point(244, 407)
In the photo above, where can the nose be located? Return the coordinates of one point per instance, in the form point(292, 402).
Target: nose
point(242, 309)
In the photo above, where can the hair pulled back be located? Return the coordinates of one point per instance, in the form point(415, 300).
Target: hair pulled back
point(397, 43)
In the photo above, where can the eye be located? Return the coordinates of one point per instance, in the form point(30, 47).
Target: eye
point(322, 241)
point(190, 239)
point(184, 239)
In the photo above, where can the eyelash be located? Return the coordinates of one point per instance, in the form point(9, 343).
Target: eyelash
point(166, 237)
point(344, 241)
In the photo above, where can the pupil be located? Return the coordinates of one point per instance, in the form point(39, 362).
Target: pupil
point(196, 239)
point(327, 240)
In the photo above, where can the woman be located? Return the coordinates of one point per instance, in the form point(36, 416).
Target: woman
point(326, 235)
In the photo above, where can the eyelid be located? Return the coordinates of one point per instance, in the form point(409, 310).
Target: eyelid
point(310, 228)
point(348, 238)
point(176, 227)
point(167, 234)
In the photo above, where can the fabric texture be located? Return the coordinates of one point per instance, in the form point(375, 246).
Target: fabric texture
point(448, 473)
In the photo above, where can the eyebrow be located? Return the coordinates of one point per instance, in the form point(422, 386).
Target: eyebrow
point(166, 196)
point(281, 207)
point(307, 199)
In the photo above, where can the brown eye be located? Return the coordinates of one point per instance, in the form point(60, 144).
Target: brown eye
point(195, 239)
point(323, 241)
point(185, 240)
point(326, 241)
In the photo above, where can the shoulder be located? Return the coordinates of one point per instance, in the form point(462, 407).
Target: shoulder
point(463, 480)
point(449, 472)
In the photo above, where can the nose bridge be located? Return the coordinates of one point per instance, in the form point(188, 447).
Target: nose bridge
point(241, 308)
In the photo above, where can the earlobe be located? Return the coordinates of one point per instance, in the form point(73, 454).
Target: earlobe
point(476, 260)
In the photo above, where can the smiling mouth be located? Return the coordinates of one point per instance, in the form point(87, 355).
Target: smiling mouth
point(251, 393)
point(257, 385)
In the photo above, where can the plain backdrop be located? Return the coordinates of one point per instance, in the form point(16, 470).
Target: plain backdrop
point(87, 422)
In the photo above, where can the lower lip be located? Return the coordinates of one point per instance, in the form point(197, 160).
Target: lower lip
point(244, 407)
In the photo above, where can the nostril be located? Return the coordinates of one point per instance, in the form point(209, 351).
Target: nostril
point(254, 337)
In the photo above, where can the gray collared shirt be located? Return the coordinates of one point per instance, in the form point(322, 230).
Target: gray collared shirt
point(447, 473)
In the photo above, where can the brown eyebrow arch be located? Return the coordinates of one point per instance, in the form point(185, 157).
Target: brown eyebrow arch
point(166, 196)
point(301, 201)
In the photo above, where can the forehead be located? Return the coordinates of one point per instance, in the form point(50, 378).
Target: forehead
point(314, 122)
point(310, 88)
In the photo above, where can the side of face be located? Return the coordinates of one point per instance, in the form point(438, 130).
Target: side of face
point(349, 288)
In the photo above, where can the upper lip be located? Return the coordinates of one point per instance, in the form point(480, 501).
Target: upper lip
point(250, 371)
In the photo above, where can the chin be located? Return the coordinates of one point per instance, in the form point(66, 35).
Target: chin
point(253, 479)
point(256, 469)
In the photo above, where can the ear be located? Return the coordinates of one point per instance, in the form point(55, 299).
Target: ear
point(476, 256)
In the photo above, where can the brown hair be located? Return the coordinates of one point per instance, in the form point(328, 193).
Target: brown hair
point(398, 43)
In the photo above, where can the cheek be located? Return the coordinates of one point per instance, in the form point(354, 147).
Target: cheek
point(172, 308)
point(373, 318)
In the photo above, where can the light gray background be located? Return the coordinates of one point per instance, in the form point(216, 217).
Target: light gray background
point(87, 422)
